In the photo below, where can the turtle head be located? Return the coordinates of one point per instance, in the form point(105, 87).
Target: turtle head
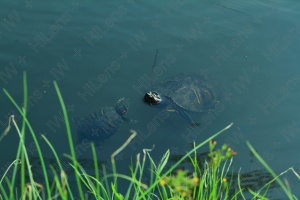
point(122, 106)
point(152, 97)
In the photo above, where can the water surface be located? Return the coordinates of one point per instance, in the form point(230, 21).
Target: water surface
point(99, 52)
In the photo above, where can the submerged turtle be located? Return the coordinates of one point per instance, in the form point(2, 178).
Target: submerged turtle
point(184, 93)
point(103, 123)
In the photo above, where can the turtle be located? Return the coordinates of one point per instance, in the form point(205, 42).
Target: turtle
point(184, 93)
point(103, 123)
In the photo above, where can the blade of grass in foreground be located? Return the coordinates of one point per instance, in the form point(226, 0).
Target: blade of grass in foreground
point(183, 158)
point(23, 132)
point(59, 163)
point(285, 189)
point(107, 188)
point(112, 157)
point(23, 113)
point(69, 138)
point(96, 167)
point(20, 146)
point(4, 194)
point(15, 168)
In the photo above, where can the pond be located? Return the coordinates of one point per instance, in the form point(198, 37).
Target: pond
point(99, 52)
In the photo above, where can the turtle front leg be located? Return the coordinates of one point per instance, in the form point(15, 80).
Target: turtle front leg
point(186, 116)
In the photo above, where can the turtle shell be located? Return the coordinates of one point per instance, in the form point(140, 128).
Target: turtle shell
point(190, 92)
point(100, 125)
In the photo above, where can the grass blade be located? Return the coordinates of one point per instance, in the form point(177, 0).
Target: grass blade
point(282, 185)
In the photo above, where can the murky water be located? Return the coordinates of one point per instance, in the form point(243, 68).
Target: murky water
point(100, 52)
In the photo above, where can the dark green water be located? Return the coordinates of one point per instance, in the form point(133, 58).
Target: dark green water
point(100, 51)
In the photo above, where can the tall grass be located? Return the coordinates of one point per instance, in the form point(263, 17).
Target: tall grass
point(32, 186)
point(212, 181)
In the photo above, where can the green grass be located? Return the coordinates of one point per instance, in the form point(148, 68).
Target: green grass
point(214, 180)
